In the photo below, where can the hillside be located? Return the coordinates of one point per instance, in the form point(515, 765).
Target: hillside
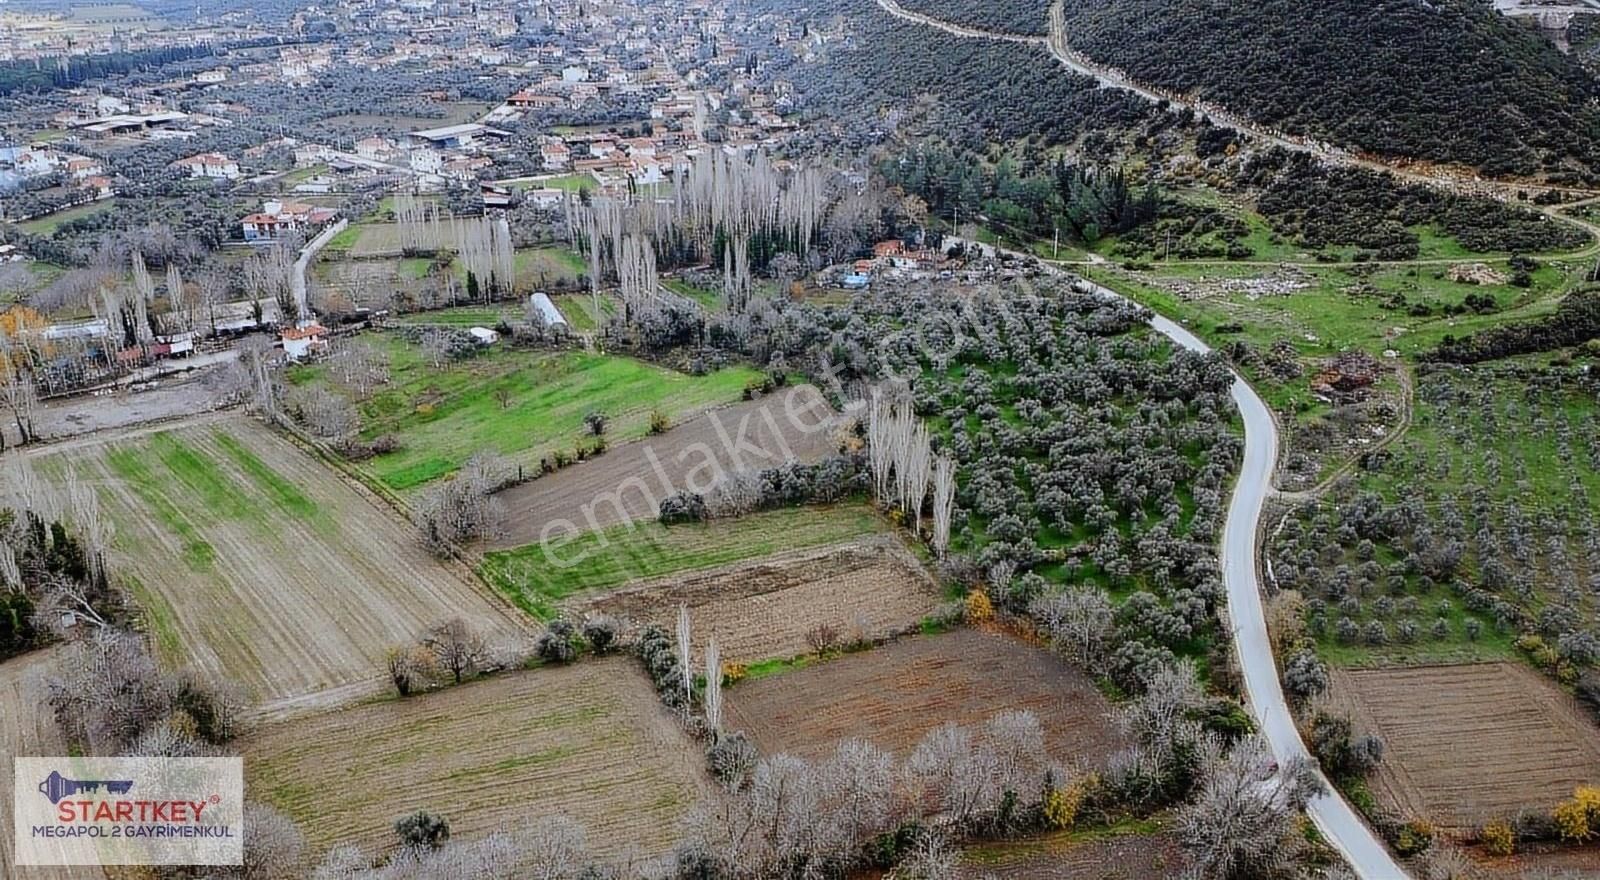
point(1443, 80)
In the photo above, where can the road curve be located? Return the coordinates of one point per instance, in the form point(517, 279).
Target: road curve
point(1241, 538)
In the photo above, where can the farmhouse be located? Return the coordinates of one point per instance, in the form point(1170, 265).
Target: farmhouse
point(279, 218)
point(301, 343)
point(214, 166)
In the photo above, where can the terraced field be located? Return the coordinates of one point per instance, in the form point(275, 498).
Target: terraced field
point(590, 741)
point(253, 562)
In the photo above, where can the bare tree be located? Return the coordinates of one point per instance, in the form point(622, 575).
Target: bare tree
point(274, 847)
point(458, 649)
point(19, 395)
point(1243, 821)
point(1080, 622)
point(944, 500)
point(714, 688)
point(685, 655)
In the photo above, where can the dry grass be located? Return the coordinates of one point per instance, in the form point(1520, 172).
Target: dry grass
point(589, 741)
point(1466, 744)
point(894, 695)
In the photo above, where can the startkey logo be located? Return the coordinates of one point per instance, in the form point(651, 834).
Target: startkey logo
point(128, 811)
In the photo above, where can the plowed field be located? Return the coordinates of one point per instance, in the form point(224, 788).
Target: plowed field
point(254, 562)
point(895, 694)
point(1469, 743)
point(764, 609)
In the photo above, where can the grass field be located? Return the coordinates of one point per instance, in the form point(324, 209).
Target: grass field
point(536, 580)
point(252, 562)
point(463, 316)
point(48, 224)
point(443, 417)
point(589, 741)
point(567, 182)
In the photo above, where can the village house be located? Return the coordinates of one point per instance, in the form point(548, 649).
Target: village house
point(302, 343)
point(279, 218)
point(213, 166)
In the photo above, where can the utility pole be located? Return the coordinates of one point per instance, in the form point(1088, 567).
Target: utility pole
point(1056, 253)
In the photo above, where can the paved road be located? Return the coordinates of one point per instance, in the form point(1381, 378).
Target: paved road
point(303, 264)
point(1337, 821)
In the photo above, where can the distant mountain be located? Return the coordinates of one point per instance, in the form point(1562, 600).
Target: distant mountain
point(1443, 80)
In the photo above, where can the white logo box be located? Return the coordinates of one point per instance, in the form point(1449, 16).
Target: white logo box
point(128, 811)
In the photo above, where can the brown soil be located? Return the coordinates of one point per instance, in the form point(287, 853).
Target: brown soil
point(628, 483)
point(894, 695)
point(864, 591)
point(1119, 857)
point(1467, 744)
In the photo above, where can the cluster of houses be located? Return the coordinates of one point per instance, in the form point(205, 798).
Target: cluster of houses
point(279, 218)
point(85, 176)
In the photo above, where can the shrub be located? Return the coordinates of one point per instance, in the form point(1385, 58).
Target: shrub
point(1061, 805)
point(978, 607)
point(555, 643)
point(1414, 837)
point(1576, 819)
point(595, 421)
point(601, 633)
point(682, 507)
point(1497, 838)
point(422, 830)
point(732, 758)
point(659, 423)
point(823, 639)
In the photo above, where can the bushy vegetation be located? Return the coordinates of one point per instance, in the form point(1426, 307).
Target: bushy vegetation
point(1323, 206)
point(999, 16)
point(1475, 536)
point(1575, 321)
point(989, 91)
point(1450, 81)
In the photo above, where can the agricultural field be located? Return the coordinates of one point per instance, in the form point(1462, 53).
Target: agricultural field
point(894, 695)
point(453, 113)
point(27, 729)
point(763, 610)
point(1476, 526)
point(525, 405)
point(1469, 744)
point(628, 483)
point(537, 579)
point(580, 310)
point(1134, 851)
point(47, 225)
point(252, 562)
point(590, 741)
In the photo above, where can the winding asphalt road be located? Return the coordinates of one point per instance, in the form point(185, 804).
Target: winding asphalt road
point(1337, 821)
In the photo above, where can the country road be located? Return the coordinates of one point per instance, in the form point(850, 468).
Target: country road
point(302, 265)
point(1242, 534)
point(1452, 178)
point(1241, 537)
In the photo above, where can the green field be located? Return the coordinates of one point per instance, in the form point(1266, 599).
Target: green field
point(567, 182)
point(47, 225)
point(1502, 464)
point(442, 417)
point(711, 300)
point(463, 316)
point(536, 580)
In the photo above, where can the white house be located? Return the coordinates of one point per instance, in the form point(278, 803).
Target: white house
point(484, 336)
point(300, 343)
point(214, 166)
point(426, 161)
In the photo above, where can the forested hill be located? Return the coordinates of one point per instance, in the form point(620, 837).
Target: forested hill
point(1444, 80)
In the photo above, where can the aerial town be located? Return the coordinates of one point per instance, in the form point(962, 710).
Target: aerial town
point(781, 439)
